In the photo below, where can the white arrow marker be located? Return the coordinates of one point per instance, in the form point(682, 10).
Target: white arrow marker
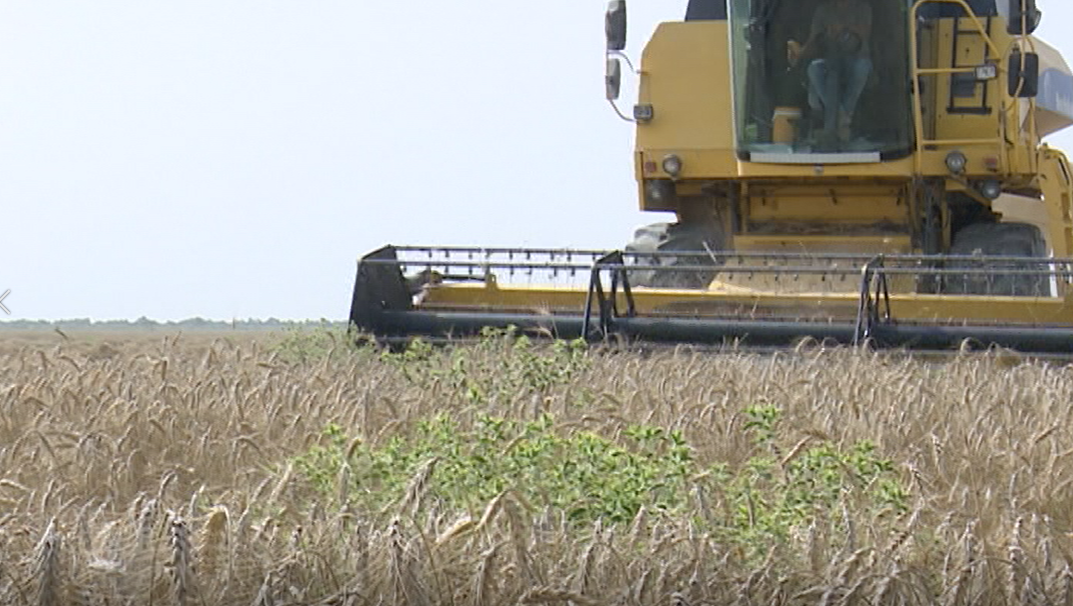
point(6, 293)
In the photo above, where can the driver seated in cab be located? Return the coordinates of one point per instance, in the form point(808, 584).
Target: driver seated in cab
point(839, 63)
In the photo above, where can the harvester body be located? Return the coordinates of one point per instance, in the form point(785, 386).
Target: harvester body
point(890, 189)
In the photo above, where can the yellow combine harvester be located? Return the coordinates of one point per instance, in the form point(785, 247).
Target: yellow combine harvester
point(855, 170)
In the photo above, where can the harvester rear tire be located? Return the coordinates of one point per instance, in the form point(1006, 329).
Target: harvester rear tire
point(998, 240)
point(675, 237)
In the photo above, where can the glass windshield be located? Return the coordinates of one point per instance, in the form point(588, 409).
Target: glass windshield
point(821, 80)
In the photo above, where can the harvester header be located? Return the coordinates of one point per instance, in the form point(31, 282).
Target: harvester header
point(572, 294)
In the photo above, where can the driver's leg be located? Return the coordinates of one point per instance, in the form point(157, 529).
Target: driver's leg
point(823, 91)
point(857, 71)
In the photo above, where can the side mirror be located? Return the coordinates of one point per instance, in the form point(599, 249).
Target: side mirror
point(615, 25)
point(1024, 78)
point(613, 78)
point(1023, 13)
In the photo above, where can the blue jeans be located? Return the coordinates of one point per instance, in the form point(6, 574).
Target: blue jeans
point(836, 84)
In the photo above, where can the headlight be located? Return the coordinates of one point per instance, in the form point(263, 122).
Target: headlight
point(956, 162)
point(991, 189)
point(672, 165)
point(660, 191)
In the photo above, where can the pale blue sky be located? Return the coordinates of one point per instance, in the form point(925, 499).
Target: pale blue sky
point(226, 158)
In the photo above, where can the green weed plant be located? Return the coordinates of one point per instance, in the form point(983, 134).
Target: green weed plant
point(585, 476)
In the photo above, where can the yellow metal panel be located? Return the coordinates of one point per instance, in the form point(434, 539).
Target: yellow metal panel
point(825, 244)
point(831, 206)
point(724, 164)
point(685, 75)
point(933, 162)
point(971, 50)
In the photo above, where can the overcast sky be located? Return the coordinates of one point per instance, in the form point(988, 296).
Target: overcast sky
point(232, 159)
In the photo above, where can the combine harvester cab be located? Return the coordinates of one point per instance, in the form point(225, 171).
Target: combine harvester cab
point(838, 181)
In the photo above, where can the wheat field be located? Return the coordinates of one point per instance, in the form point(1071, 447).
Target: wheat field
point(170, 470)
